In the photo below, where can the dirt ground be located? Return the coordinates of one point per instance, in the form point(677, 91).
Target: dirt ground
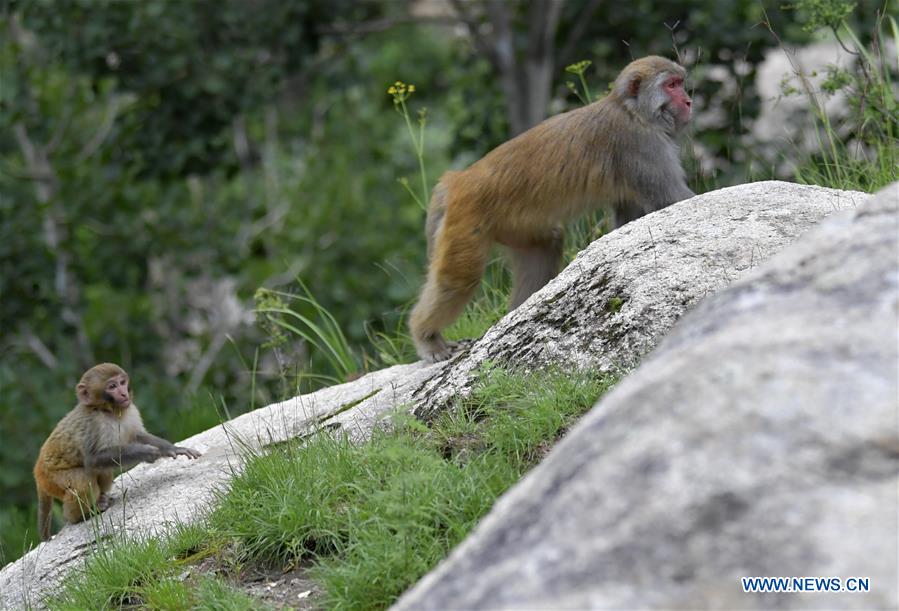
point(272, 586)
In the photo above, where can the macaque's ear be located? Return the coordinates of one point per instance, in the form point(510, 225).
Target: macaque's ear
point(84, 395)
point(633, 87)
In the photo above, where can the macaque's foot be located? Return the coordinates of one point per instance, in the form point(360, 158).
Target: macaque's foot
point(436, 349)
point(103, 502)
point(189, 452)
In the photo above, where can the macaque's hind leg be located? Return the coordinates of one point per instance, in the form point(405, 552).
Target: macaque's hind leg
point(452, 279)
point(82, 491)
point(73, 510)
point(104, 483)
point(533, 266)
point(626, 212)
point(438, 306)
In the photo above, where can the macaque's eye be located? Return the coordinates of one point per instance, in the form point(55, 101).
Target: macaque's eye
point(675, 84)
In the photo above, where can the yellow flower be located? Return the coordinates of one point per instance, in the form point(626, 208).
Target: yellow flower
point(400, 92)
point(579, 67)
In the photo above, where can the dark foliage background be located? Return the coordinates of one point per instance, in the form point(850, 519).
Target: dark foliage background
point(161, 161)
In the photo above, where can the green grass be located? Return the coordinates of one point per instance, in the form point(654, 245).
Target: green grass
point(370, 518)
point(148, 573)
point(301, 316)
point(862, 152)
point(376, 517)
point(867, 169)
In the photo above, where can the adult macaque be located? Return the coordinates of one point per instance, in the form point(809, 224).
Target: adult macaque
point(618, 153)
point(104, 432)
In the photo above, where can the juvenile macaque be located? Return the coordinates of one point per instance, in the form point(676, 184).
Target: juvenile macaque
point(618, 153)
point(103, 433)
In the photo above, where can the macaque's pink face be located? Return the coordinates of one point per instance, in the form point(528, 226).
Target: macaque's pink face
point(678, 101)
point(117, 391)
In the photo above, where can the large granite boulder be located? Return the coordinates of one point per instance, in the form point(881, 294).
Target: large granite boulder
point(761, 438)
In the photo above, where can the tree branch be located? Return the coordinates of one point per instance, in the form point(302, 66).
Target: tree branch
point(46, 187)
point(513, 78)
point(206, 360)
point(39, 348)
point(112, 111)
point(580, 28)
point(484, 46)
point(381, 25)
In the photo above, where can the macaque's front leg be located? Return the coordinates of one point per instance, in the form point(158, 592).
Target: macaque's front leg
point(167, 448)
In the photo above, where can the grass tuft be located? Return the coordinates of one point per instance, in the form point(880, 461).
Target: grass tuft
point(149, 573)
point(375, 517)
point(114, 575)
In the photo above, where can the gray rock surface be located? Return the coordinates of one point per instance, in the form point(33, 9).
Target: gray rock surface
point(761, 438)
point(608, 308)
point(620, 295)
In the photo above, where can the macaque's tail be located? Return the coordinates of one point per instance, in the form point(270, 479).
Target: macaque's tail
point(436, 210)
point(44, 514)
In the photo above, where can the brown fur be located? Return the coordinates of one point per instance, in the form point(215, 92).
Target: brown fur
point(616, 153)
point(77, 463)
